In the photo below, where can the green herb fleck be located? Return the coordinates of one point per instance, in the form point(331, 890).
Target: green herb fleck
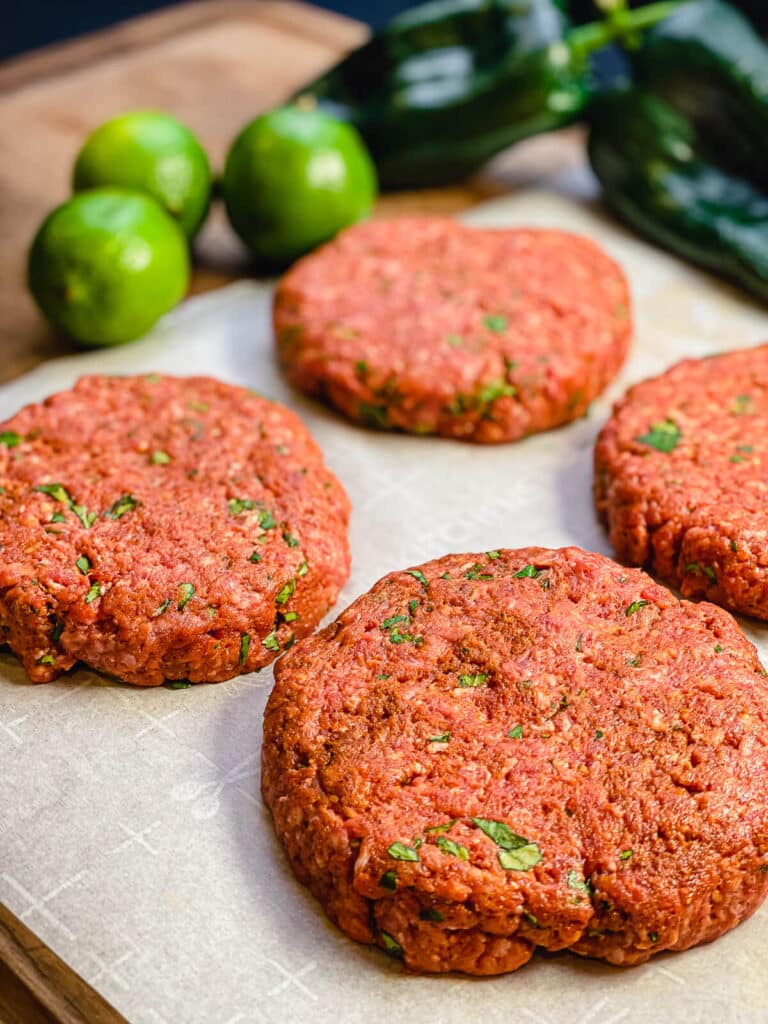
point(83, 565)
point(245, 646)
point(10, 438)
point(396, 637)
point(476, 573)
point(361, 369)
point(254, 557)
point(495, 389)
point(446, 826)
point(160, 458)
point(473, 679)
point(412, 607)
point(93, 593)
point(497, 324)
point(635, 660)
point(286, 593)
point(599, 734)
point(741, 405)
point(266, 520)
point(579, 641)
point(718, 648)
point(528, 572)
point(454, 849)
point(391, 946)
point(270, 641)
point(187, 590)
point(516, 732)
point(389, 880)
point(373, 415)
point(161, 608)
point(734, 546)
point(392, 621)
point(575, 881)
point(442, 737)
point(445, 575)
point(56, 491)
point(56, 632)
point(46, 659)
point(399, 851)
point(662, 436)
point(493, 555)
point(701, 570)
point(198, 406)
point(178, 684)
point(125, 503)
point(58, 517)
point(454, 340)
point(418, 575)
point(302, 569)
point(290, 616)
point(516, 852)
point(634, 607)
point(290, 540)
point(430, 914)
point(383, 675)
point(653, 936)
point(625, 854)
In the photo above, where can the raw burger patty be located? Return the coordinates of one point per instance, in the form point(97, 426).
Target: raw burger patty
point(681, 478)
point(500, 751)
point(163, 528)
point(430, 326)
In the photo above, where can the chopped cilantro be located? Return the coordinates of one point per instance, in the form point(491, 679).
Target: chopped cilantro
point(399, 851)
point(161, 608)
point(516, 732)
point(10, 438)
point(392, 621)
point(625, 854)
point(599, 734)
point(177, 684)
point(521, 859)
point(391, 946)
point(701, 570)
point(270, 641)
point(93, 593)
point(653, 937)
point(396, 637)
point(445, 827)
point(662, 436)
point(361, 369)
point(635, 660)
point(418, 575)
point(58, 517)
point(389, 880)
point(445, 575)
point(528, 572)
point(254, 557)
point(442, 737)
point(454, 849)
point(718, 648)
point(125, 503)
point(245, 646)
point(734, 546)
point(86, 518)
point(412, 607)
point(494, 389)
point(476, 573)
point(493, 555)
point(198, 406)
point(634, 607)
point(497, 324)
point(383, 675)
point(266, 520)
point(473, 679)
point(46, 659)
point(373, 415)
point(290, 616)
point(83, 565)
point(290, 540)
point(286, 593)
point(56, 491)
point(187, 590)
point(516, 853)
point(160, 458)
point(430, 914)
point(238, 505)
point(302, 569)
point(56, 632)
point(575, 881)
point(454, 340)
point(579, 641)
point(741, 405)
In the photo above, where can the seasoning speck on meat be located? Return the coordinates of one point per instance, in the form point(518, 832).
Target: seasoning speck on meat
point(121, 547)
point(556, 768)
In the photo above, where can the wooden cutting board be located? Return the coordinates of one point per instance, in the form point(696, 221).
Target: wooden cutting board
point(215, 65)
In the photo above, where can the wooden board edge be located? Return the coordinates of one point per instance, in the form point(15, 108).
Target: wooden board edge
point(149, 29)
point(35, 981)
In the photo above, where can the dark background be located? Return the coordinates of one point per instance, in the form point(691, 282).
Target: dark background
point(27, 24)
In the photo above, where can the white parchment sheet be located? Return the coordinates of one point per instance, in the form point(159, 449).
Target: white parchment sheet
point(132, 835)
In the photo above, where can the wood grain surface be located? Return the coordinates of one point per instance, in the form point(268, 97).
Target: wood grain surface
point(215, 64)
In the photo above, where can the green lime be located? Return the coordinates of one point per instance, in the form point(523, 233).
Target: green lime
point(107, 264)
point(293, 178)
point(153, 153)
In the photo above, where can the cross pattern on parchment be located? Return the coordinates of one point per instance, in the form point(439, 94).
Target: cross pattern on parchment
point(41, 905)
point(292, 978)
point(9, 730)
point(136, 837)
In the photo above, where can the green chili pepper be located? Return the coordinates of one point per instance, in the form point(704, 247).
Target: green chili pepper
point(448, 84)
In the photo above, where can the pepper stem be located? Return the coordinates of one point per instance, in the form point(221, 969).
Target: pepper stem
point(619, 25)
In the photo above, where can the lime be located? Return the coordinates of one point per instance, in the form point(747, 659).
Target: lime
point(153, 153)
point(293, 178)
point(107, 264)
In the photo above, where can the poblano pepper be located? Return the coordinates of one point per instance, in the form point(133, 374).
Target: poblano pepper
point(447, 85)
point(682, 155)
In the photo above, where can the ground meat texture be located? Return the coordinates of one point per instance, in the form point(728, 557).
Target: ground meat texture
point(681, 478)
point(518, 749)
point(163, 528)
point(429, 326)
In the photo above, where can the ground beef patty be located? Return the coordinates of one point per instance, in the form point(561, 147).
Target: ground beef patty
point(681, 478)
point(163, 528)
point(501, 751)
point(430, 326)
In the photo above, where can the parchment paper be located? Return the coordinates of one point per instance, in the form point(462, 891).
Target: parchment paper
point(132, 835)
